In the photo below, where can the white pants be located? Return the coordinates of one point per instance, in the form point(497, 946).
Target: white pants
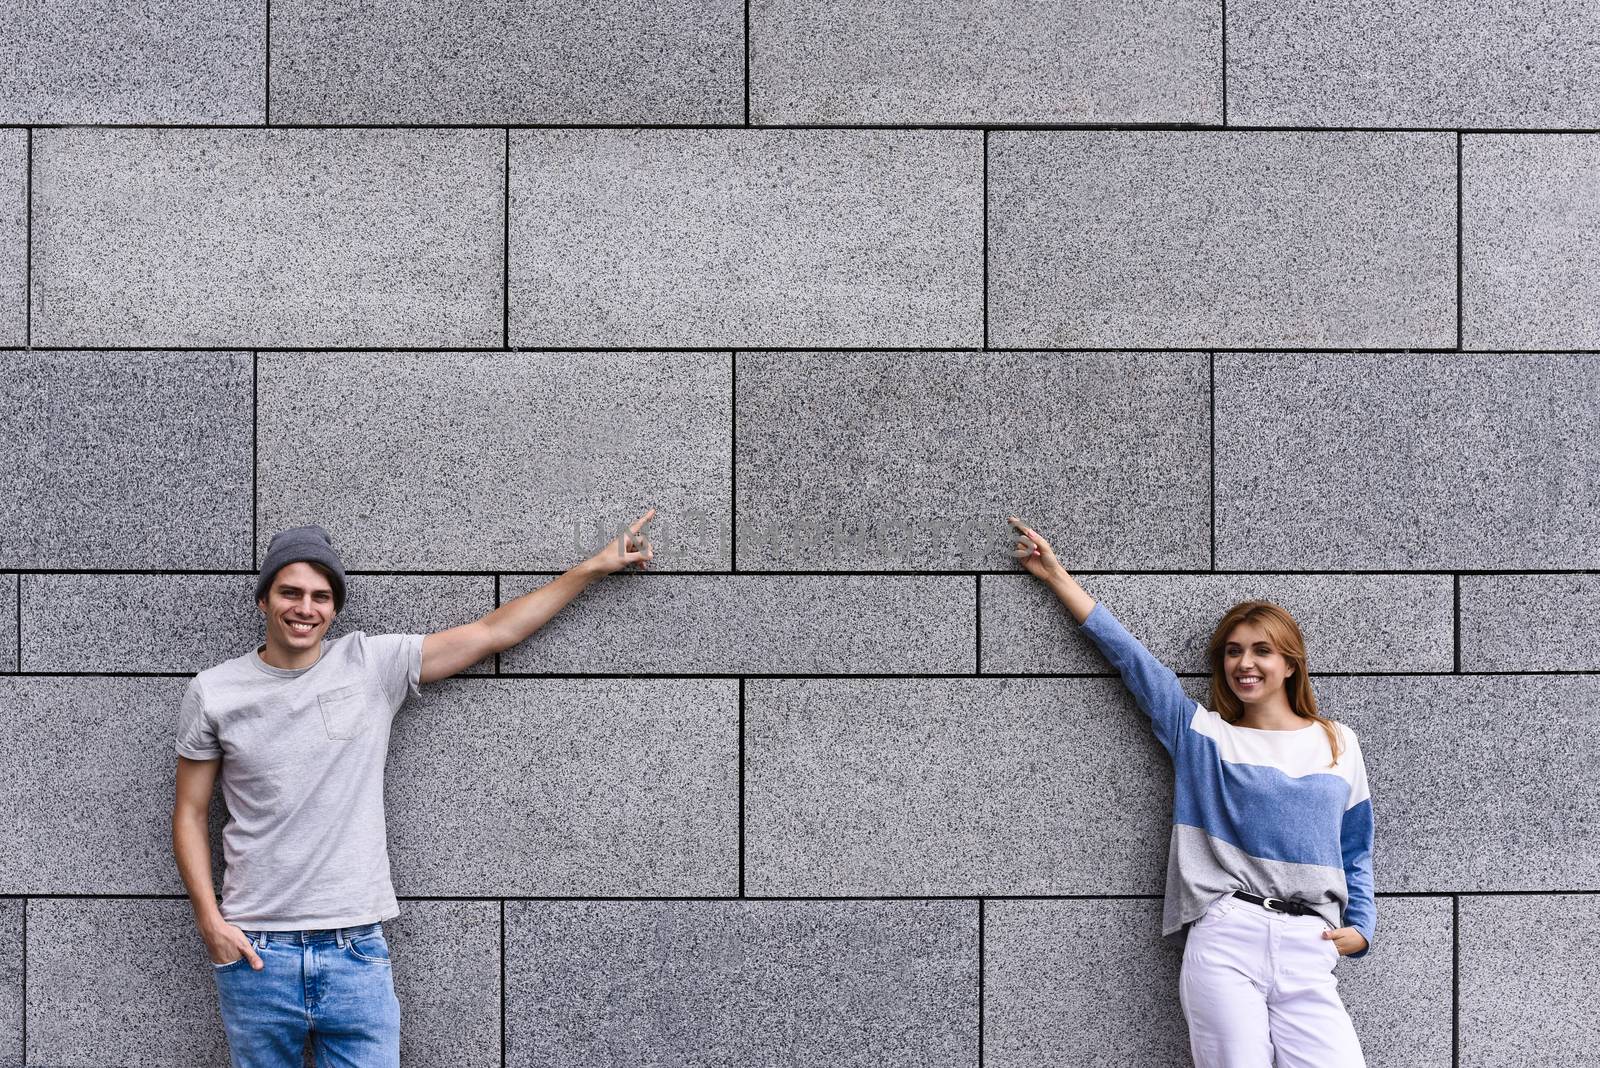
point(1258, 991)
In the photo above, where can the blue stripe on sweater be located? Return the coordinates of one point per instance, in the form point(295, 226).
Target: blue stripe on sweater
point(1259, 809)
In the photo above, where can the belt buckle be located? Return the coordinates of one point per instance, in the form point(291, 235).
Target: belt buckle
point(1266, 903)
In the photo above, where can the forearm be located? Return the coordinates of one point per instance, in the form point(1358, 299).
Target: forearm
point(515, 620)
point(191, 848)
point(1074, 596)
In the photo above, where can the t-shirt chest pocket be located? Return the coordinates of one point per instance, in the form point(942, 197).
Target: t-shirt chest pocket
point(345, 711)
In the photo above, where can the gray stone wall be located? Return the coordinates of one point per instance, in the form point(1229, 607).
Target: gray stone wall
point(1269, 298)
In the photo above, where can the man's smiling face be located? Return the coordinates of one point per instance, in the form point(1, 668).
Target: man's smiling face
point(298, 607)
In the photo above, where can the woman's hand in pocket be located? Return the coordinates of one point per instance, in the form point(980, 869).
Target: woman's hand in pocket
point(1346, 940)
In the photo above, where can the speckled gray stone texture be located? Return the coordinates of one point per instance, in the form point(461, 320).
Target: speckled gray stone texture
point(1530, 240)
point(562, 787)
point(904, 61)
point(13, 237)
point(11, 982)
point(1080, 982)
point(128, 459)
point(1350, 622)
point(1527, 980)
point(1530, 622)
point(1483, 783)
point(505, 461)
point(1176, 239)
point(952, 786)
point(120, 982)
point(1399, 994)
point(764, 984)
point(853, 460)
point(8, 621)
point(549, 61)
point(1454, 63)
point(156, 623)
point(268, 238)
point(88, 774)
point(116, 61)
point(756, 624)
point(1407, 461)
point(746, 238)
point(446, 958)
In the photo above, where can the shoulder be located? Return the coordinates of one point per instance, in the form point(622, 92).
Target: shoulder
point(360, 643)
point(215, 678)
point(373, 650)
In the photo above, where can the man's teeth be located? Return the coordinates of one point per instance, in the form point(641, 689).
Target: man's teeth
point(304, 627)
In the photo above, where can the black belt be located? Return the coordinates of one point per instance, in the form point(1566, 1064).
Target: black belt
point(1278, 904)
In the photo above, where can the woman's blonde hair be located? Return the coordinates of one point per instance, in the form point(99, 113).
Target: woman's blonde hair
point(1284, 634)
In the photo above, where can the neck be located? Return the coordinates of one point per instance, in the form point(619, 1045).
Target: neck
point(1272, 714)
point(286, 657)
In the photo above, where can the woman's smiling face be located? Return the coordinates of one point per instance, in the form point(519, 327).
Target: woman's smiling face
point(1255, 669)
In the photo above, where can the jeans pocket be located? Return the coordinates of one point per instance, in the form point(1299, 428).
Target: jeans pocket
point(344, 711)
point(372, 948)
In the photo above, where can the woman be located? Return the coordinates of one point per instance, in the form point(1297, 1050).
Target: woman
point(1271, 852)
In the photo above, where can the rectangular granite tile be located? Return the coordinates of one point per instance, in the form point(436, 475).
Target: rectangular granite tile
point(187, 623)
point(1194, 238)
point(1000, 61)
point(1407, 461)
point(1527, 980)
point(566, 788)
point(446, 958)
point(13, 237)
point(1080, 982)
point(1436, 63)
point(1479, 783)
point(929, 787)
point(913, 460)
point(125, 460)
point(87, 773)
point(756, 624)
point(548, 61)
point(746, 238)
point(504, 461)
point(1530, 622)
point(1092, 982)
point(1530, 237)
point(849, 984)
point(268, 238)
point(111, 62)
point(120, 982)
point(1400, 995)
point(1350, 622)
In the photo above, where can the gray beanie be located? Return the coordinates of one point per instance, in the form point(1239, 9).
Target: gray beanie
point(302, 543)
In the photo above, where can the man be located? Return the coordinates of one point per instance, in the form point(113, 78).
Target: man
point(299, 730)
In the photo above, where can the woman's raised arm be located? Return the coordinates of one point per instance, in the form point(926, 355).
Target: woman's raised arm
point(1154, 686)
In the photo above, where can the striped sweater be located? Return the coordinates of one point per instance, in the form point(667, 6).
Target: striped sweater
point(1253, 810)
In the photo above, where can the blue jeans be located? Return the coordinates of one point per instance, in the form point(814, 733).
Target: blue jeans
point(335, 986)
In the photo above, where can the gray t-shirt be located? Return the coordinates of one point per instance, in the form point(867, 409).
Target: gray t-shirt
point(302, 771)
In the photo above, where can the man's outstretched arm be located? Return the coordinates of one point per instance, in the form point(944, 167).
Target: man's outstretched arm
point(450, 651)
